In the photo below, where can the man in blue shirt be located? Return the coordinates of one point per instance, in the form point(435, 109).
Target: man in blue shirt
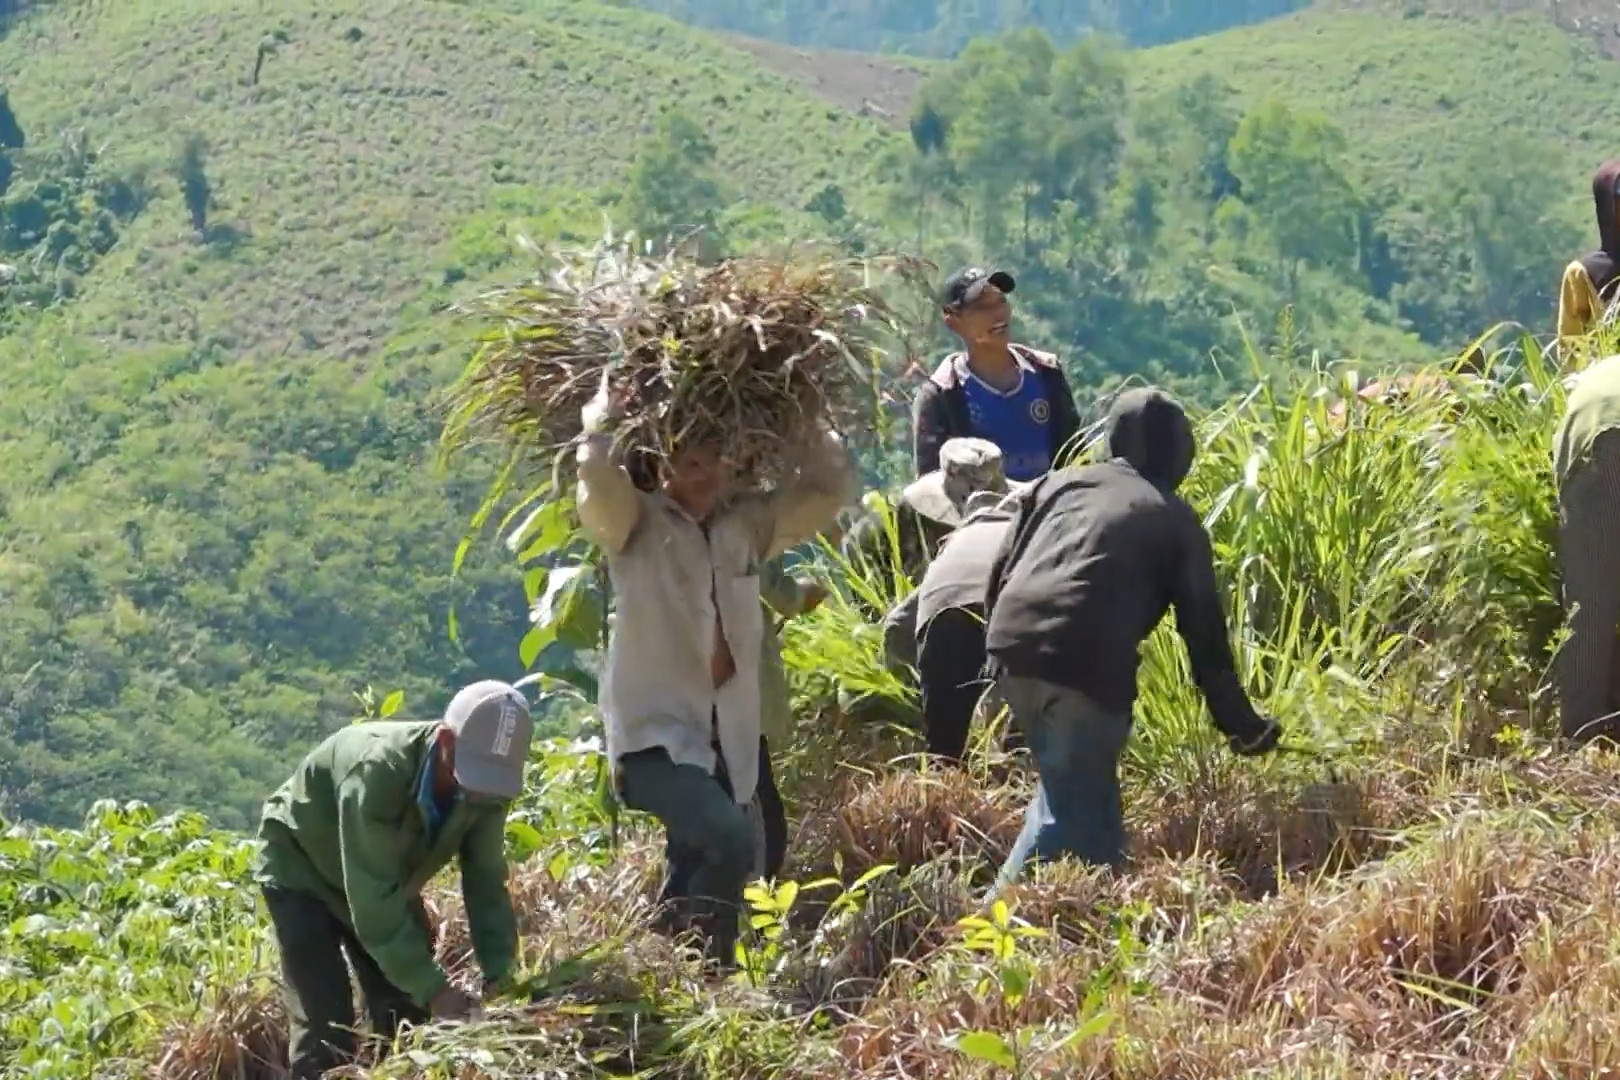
point(993, 389)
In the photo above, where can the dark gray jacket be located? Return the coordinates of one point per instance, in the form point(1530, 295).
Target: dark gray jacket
point(1096, 557)
point(939, 411)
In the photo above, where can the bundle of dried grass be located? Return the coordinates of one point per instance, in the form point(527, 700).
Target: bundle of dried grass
point(241, 1035)
point(747, 354)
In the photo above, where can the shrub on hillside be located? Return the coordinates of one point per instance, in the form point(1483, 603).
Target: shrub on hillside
point(63, 210)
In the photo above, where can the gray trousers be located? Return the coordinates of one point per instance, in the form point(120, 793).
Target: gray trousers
point(1588, 669)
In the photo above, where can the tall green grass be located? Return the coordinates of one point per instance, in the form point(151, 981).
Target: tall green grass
point(1390, 582)
point(1380, 561)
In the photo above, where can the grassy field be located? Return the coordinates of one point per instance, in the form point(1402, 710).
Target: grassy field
point(1418, 96)
point(1421, 887)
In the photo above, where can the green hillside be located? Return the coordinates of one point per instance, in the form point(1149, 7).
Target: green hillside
point(942, 27)
point(220, 513)
point(220, 516)
point(1421, 95)
point(1425, 175)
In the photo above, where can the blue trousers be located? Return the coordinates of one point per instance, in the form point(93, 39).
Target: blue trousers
point(1077, 745)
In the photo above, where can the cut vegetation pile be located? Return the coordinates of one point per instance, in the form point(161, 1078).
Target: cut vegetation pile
point(749, 355)
point(1478, 947)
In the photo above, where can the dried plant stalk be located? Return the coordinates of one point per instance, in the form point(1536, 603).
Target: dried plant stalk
point(748, 354)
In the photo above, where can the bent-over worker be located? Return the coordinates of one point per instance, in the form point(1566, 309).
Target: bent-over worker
point(1095, 557)
point(939, 627)
point(347, 845)
point(940, 498)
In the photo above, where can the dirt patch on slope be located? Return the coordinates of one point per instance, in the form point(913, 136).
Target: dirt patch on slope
point(881, 87)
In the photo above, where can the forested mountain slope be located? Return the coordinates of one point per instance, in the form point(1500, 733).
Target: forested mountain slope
point(221, 514)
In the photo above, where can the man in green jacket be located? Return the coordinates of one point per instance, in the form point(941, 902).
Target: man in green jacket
point(347, 845)
point(1586, 465)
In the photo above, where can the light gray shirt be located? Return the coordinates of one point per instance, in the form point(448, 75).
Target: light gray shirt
point(671, 583)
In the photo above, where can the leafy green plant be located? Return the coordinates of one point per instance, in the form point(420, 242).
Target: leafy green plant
point(1009, 970)
point(107, 930)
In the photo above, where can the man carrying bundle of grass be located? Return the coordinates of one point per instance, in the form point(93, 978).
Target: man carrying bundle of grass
point(1094, 558)
point(700, 405)
point(1586, 465)
point(681, 698)
point(347, 846)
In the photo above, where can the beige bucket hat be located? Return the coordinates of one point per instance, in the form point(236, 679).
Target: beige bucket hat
point(968, 469)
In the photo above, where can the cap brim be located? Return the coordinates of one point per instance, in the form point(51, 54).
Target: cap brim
point(926, 495)
point(479, 775)
point(1003, 281)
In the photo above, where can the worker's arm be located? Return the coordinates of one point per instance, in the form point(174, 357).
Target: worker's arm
point(1201, 622)
point(489, 905)
point(380, 909)
point(607, 500)
point(930, 427)
point(805, 505)
point(1023, 521)
point(900, 634)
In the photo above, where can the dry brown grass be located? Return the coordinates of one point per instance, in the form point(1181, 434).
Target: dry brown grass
point(917, 817)
point(1450, 923)
point(747, 355)
point(241, 1035)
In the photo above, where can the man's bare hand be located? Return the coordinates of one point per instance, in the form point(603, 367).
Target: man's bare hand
point(811, 594)
point(607, 406)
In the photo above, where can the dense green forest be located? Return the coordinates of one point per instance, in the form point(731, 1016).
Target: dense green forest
point(941, 27)
point(228, 234)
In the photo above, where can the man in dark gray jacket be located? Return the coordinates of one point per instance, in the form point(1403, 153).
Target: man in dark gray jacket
point(993, 389)
point(1095, 557)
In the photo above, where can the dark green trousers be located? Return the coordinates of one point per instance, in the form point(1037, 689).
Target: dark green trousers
point(314, 943)
point(709, 845)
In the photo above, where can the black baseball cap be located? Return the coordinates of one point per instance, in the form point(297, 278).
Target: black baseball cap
point(964, 286)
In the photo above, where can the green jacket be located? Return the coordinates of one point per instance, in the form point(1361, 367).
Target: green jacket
point(348, 828)
point(1593, 407)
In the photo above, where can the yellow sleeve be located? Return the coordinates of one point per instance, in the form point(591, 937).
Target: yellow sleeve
point(1577, 302)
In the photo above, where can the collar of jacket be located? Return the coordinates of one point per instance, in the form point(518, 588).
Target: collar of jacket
point(948, 375)
point(425, 802)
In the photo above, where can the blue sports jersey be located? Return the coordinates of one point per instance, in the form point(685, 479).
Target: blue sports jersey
point(1019, 422)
